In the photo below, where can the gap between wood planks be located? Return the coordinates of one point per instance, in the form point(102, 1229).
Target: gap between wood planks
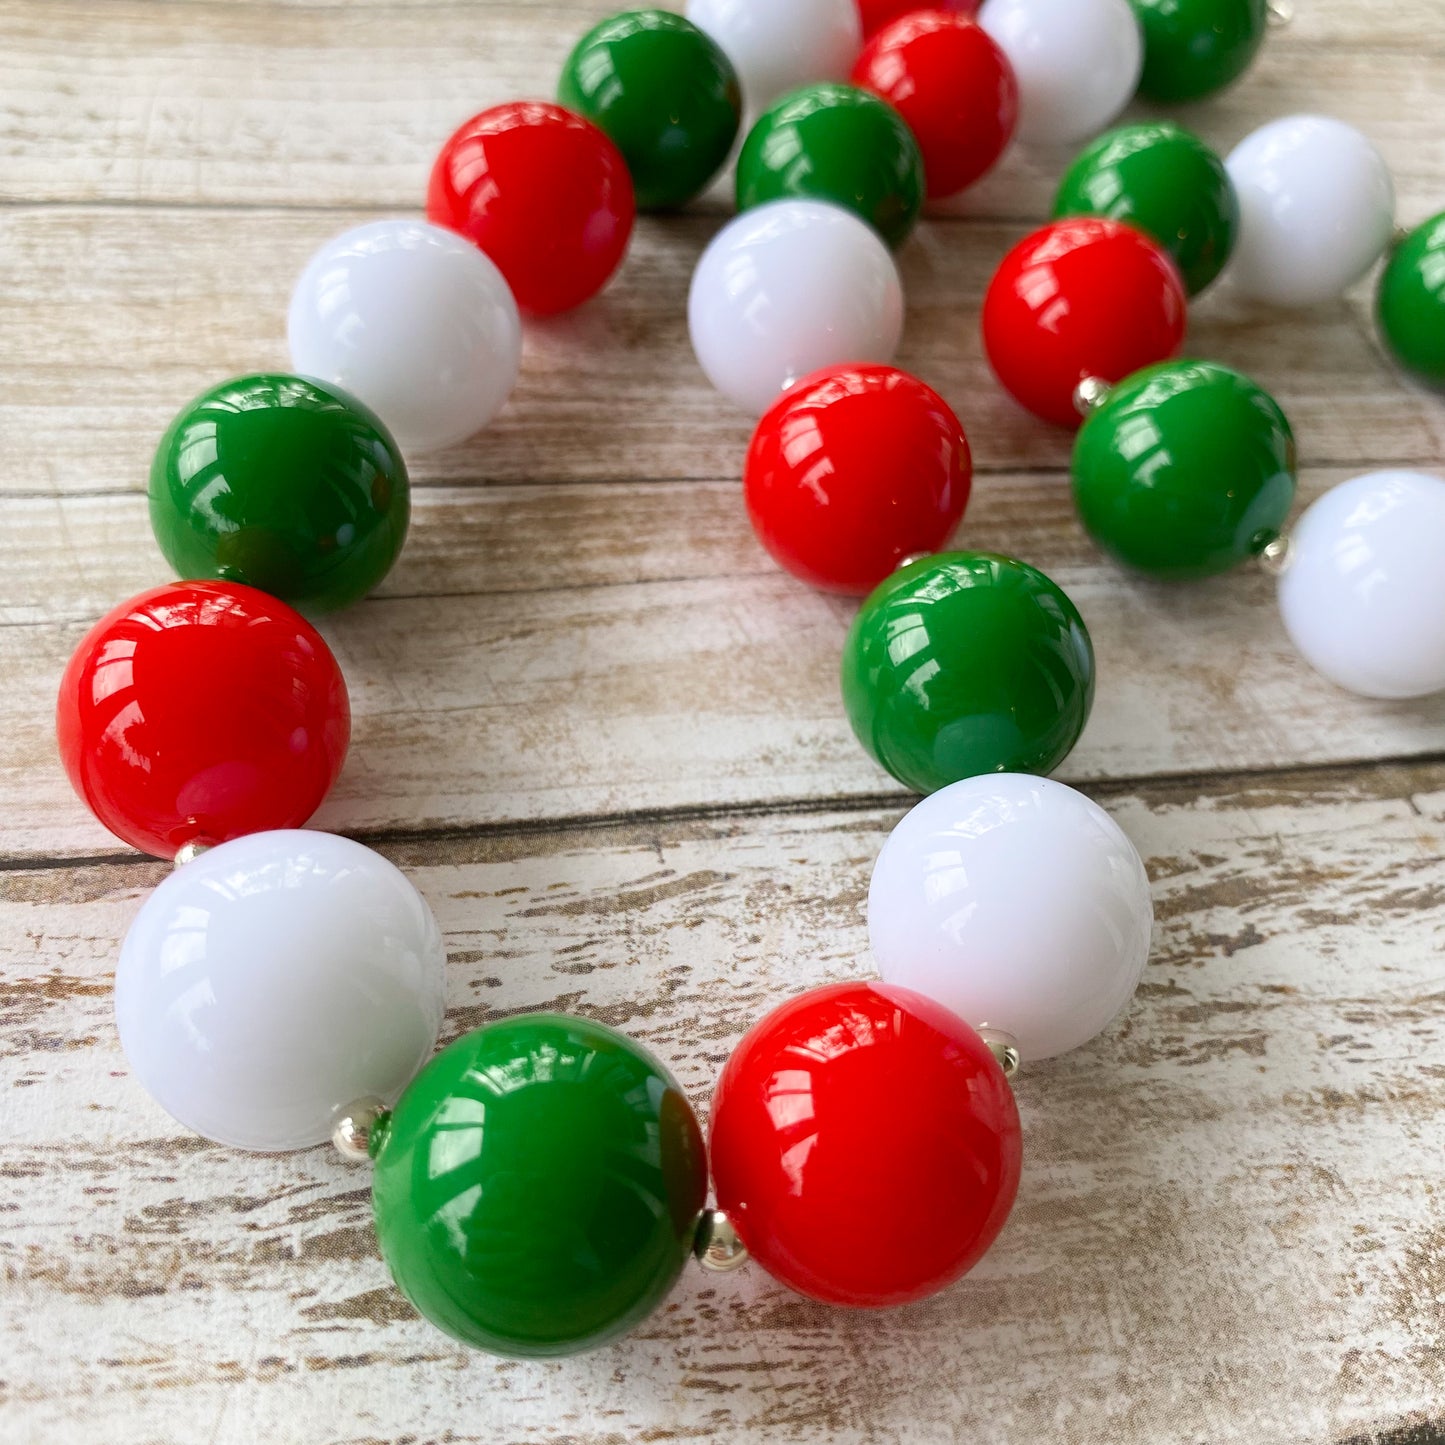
point(1380, 778)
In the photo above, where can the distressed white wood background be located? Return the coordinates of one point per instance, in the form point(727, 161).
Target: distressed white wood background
point(604, 735)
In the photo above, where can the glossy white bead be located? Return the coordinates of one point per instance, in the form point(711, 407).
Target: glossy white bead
point(1017, 903)
point(414, 321)
point(777, 45)
point(1363, 591)
point(275, 979)
point(1316, 210)
point(1078, 63)
point(788, 288)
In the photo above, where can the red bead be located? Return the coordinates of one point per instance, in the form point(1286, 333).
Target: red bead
point(1080, 298)
point(202, 711)
point(954, 87)
point(853, 469)
point(544, 193)
point(875, 14)
point(865, 1145)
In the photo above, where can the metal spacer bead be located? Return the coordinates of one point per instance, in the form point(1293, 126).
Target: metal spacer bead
point(1274, 559)
point(1281, 13)
point(354, 1126)
point(191, 851)
point(716, 1245)
point(1004, 1047)
point(1090, 394)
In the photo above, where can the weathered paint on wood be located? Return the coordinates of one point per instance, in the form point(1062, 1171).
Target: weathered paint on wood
point(603, 734)
point(1230, 1227)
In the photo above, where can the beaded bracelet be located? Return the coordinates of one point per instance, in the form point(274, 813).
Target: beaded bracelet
point(540, 1183)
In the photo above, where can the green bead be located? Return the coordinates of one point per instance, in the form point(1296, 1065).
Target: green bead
point(282, 483)
point(538, 1185)
point(1194, 47)
point(833, 142)
point(1163, 180)
point(967, 663)
point(1410, 306)
point(665, 93)
point(1185, 470)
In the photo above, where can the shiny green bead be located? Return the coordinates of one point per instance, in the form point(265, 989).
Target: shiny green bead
point(1186, 470)
point(665, 93)
point(1164, 181)
point(1410, 306)
point(1194, 47)
point(837, 143)
point(967, 663)
point(538, 1185)
point(282, 483)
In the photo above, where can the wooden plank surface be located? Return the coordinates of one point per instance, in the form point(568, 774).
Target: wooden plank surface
point(1230, 1224)
point(603, 734)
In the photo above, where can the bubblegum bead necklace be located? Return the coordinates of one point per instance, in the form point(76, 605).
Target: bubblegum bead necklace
point(541, 1182)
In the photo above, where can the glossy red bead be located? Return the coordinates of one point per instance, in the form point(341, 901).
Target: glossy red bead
point(544, 193)
point(953, 85)
point(875, 14)
point(201, 711)
point(1082, 297)
point(865, 1144)
point(852, 470)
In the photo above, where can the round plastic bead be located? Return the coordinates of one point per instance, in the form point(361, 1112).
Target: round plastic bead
point(1410, 306)
point(776, 48)
point(201, 711)
point(271, 982)
point(538, 1186)
point(1162, 180)
point(666, 94)
point(967, 663)
point(1083, 297)
point(837, 143)
point(1193, 48)
point(876, 14)
point(787, 289)
point(1363, 595)
point(1077, 63)
point(852, 470)
point(953, 86)
point(283, 483)
point(865, 1145)
point(414, 322)
point(1186, 470)
point(544, 193)
point(1016, 903)
point(1317, 209)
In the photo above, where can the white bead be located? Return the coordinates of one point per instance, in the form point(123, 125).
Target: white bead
point(1078, 63)
point(1363, 591)
point(275, 979)
point(1017, 903)
point(1316, 210)
point(414, 321)
point(788, 288)
point(777, 45)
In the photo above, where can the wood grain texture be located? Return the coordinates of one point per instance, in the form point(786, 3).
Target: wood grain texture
point(603, 734)
point(117, 317)
point(1230, 1226)
point(688, 674)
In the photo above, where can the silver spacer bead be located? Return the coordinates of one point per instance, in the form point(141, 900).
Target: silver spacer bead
point(1004, 1047)
point(192, 851)
point(352, 1131)
point(1090, 394)
point(1274, 559)
point(1281, 13)
point(716, 1245)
